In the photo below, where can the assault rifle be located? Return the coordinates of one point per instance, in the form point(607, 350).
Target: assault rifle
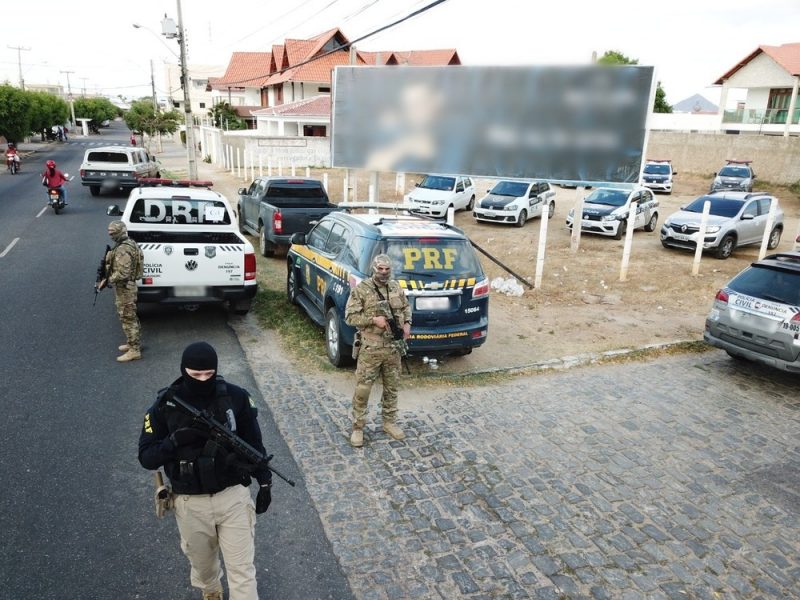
point(227, 439)
point(397, 332)
point(101, 275)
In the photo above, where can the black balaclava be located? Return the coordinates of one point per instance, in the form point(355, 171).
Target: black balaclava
point(199, 356)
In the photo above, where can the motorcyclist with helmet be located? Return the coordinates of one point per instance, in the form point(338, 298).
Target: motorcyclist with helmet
point(54, 179)
point(12, 155)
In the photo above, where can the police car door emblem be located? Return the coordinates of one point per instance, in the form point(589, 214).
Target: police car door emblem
point(167, 250)
point(191, 265)
point(211, 251)
point(434, 286)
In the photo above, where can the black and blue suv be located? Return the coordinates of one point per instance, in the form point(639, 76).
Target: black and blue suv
point(434, 263)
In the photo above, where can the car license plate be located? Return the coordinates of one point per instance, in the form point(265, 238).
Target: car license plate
point(490, 213)
point(680, 237)
point(189, 291)
point(435, 303)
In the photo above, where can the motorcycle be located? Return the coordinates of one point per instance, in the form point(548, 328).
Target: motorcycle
point(12, 162)
point(55, 196)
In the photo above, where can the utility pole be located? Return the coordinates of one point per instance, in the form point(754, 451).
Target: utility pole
point(19, 50)
point(69, 97)
point(168, 28)
point(83, 89)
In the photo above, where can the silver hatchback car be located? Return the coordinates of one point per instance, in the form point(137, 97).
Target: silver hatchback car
point(735, 219)
point(757, 314)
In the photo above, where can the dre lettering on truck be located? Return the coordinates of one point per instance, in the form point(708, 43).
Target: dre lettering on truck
point(180, 212)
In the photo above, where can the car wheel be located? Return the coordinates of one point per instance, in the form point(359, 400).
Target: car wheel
point(726, 246)
point(774, 238)
point(470, 204)
point(551, 210)
point(241, 307)
point(292, 289)
point(523, 216)
point(266, 247)
point(94, 190)
point(621, 229)
point(240, 216)
point(651, 224)
point(665, 244)
point(339, 353)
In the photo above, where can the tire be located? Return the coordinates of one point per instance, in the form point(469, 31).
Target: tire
point(551, 210)
point(651, 224)
point(470, 204)
point(623, 227)
point(665, 244)
point(339, 353)
point(266, 247)
point(523, 216)
point(241, 307)
point(774, 238)
point(292, 289)
point(725, 248)
point(94, 190)
point(241, 220)
point(56, 209)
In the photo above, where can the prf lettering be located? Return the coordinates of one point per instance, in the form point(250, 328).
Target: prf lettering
point(431, 258)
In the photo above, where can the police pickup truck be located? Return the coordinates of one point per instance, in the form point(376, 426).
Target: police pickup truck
point(434, 263)
point(193, 251)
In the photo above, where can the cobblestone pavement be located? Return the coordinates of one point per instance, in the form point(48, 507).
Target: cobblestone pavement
point(676, 478)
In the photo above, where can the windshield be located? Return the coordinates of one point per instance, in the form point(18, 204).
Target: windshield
point(432, 182)
point(180, 211)
point(768, 283)
point(657, 169)
point(431, 257)
point(510, 188)
point(734, 172)
point(608, 197)
point(720, 207)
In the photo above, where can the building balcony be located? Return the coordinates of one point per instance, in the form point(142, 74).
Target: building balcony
point(760, 116)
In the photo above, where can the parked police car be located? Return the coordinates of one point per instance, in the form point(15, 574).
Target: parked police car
point(434, 263)
point(657, 175)
point(606, 210)
point(193, 251)
point(515, 202)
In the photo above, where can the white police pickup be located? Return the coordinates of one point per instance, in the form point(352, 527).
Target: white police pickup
point(193, 251)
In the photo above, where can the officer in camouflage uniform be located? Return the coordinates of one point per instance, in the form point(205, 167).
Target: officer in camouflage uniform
point(124, 268)
point(369, 305)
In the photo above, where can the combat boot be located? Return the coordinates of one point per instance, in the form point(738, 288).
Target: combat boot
point(357, 437)
point(393, 430)
point(124, 348)
point(212, 596)
point(130, 355)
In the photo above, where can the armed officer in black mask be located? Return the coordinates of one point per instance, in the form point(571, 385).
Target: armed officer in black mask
point(213, 506)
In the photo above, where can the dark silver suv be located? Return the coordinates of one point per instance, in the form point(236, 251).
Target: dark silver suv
point(735, 175)
point(736, 219)
point(757, 314)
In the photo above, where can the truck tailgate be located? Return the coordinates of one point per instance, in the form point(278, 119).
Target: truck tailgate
point(299, 219)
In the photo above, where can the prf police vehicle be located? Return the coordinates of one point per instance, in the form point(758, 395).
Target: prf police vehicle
point(193, 251)
point(433, 261)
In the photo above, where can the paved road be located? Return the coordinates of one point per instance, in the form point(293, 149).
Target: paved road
point(676, 478)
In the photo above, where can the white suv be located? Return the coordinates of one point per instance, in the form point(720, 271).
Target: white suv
point(436, 193)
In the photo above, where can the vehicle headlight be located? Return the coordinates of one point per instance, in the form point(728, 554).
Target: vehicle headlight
point(713, 229)
point(745, 182)
point(438, 202)
point(668, 223)
point(611, 217)
point(509, 207)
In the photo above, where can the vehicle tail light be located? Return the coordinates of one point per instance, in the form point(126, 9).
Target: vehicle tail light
point(277, 222)
point(83, 172)
point(796, 317)
point(481, 289)
point(147, 280)
point(722, 296)
point(478, 334)
point(249, 266)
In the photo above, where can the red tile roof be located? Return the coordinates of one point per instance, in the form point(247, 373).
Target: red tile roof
point(316, 106)
point(245, 69)
point(787, 56)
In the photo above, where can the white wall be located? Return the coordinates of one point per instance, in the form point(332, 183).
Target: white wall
point(760, 72)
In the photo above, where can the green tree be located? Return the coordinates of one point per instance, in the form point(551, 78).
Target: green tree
point(15, 113)
point(96, 109)
point(225, 117)
point(615, 57)
point(47, 110)
point(143, 117)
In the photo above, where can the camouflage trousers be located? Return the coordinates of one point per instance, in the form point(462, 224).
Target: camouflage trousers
point(375, 361)
point(125, 301)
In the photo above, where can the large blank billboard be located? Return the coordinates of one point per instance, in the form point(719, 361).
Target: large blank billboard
point(581, 124)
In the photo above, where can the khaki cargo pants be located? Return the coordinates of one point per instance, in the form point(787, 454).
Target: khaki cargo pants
point(225, 521)
point(376, 360)
point(125, 301)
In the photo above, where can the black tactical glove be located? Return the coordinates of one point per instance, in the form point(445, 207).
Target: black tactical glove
point(264, 498)
point(186, 436)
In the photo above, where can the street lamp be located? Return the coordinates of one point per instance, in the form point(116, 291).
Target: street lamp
point(169, 31)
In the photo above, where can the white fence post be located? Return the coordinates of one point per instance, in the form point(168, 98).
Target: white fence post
point(626, 250)
point(577, 220)
point(701, 236)
point(325, 181)
point(540, 251)
point(768, 228)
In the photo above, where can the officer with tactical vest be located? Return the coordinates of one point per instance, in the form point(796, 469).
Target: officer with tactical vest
point(379, 309)
point(212, 503)
point(124, 266)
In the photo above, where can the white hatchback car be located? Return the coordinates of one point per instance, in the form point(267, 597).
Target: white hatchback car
point(436, 193)
point(516, 202)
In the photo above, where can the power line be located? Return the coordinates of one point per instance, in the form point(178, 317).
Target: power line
point(343, 46)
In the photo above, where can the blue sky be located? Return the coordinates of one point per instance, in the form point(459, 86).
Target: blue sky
point(691, 43)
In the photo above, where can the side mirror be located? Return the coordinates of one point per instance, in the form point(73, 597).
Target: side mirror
point(747, 217)
point(113, 211)
point(298, 238)
point(714, 174)
point(242, 191)
point(674, 172)
point(416, 184)
point(754, 176)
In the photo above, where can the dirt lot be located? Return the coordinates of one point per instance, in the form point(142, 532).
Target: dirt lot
point(582, 306)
